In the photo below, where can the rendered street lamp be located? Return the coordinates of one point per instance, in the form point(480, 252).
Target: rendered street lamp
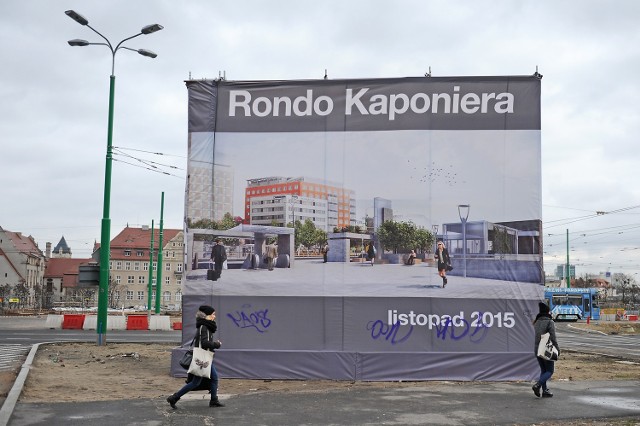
point(463, 212)
point(435, 236)
point(105, 237)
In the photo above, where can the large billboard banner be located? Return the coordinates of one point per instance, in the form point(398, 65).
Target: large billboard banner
point(333, 199)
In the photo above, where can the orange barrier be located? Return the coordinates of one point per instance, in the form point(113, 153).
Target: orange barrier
point(177, 325)
point(632, 317)
point(137, 322)
point(73, 322)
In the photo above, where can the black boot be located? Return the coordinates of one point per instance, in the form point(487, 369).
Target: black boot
point(546, 393)
point(215, 402)
point(444, 282)
point(536, 389)
point(172, 400)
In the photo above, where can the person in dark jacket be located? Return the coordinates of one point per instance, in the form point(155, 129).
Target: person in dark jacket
point(371, 253)
point(544, 324)
point(442, 256)
point(206, 325)
point(218, 255)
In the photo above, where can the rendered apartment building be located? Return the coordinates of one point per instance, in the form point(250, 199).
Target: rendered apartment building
point(281, 200)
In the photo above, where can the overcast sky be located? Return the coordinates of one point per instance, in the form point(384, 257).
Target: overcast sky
point(54, 109)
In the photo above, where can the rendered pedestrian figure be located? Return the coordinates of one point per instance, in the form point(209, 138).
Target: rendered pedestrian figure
point(218, 255)
point(371, 253)
point(411, 259)
point(271, 255)
point(206, 327)
point(544, 324)
point(444, 262)
point(325, 252)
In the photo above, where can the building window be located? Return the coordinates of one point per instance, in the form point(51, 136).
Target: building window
point(145, 266)
point(130, 279)
point(141, 279)
point(129, 295)
point(166, 296)
point(178, 281)
point(167, 266)
point(116, 296)
point(119, 265)
point(139, 253)
point(136, 266)
point(110, 265)
point(179, 267)
point(141, 295)
point(127, 253)
point(167, 280)
point(127, 266)
point(155, 266)
point(118, 279)
point(178, 296)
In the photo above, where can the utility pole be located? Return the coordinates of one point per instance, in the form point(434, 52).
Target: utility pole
point(150, 286)
point(567, 270)
point(159, 274)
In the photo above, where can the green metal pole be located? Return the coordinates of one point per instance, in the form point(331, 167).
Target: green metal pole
point(150, 286)
point(567, 272)
point(105, 236)
point(159, 279)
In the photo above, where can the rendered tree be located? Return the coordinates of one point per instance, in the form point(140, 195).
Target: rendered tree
point(424, 240)
point(307, 234)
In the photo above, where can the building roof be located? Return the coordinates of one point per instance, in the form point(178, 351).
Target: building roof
point(140, 238)
point(25, 245)
point(62, 247)
point(57, 267)
point(66, 269)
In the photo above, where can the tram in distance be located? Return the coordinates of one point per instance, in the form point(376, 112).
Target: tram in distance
point(573, 304)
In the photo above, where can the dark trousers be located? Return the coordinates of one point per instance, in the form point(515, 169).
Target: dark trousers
point(546, 371)
point(195, 382)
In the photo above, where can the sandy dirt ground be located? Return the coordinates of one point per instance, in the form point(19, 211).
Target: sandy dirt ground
point(88, 372)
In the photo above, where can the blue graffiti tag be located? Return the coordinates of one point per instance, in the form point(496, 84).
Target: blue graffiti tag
point(379, 329)
point(476, 336)
point(248, 318)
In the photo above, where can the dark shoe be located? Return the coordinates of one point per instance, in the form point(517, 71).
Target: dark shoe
point(546, 393)
point(215, 403)
point(172, 400)
point(536, 389)
point(444, 282)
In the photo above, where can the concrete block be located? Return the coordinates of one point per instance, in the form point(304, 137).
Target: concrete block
point(160, 322)
point(54, 321)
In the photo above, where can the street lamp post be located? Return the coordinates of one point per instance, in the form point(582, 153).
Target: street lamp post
point(105, 236)
point(435, 236)
point(463, 212)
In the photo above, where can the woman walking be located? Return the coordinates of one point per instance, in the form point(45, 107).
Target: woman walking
point(206, 325)
point(442, 256)
point(544, 324)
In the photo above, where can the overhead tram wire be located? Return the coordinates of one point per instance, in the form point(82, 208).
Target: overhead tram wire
point(598, 213)
point(149, 168)
point(149, 162)
point(149, 152)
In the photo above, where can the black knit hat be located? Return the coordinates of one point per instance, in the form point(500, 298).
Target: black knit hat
point(544, 308)
point(208, 310)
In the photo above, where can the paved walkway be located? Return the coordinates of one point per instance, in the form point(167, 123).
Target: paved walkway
point(446, 404)
point(312, 277)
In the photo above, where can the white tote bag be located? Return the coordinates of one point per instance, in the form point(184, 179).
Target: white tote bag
point(546, 349)
point(201, 361)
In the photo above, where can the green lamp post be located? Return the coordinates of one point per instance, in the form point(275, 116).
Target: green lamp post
point(105, 236)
